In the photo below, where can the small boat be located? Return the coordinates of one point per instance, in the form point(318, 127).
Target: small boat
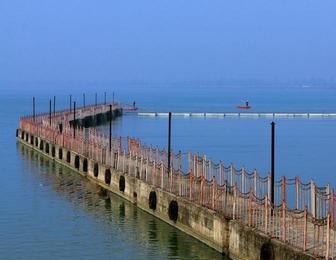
point(246, 106)
point(128, 107)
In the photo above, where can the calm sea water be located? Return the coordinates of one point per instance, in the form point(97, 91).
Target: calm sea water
point(48, 211)
point(304, 147)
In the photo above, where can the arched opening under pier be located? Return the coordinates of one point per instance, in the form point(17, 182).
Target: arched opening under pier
point(122, 183)
point(41, 145)
point(77, 161)
point(53, 151)
point(60, 153)
point(68, 157)
point(95, 170)
point(85, 165)
point(108, 176)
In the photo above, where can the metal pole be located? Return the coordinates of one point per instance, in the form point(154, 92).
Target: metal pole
point(84, 100)
point(110, 140)
point(34, 108)
point(54, 105)
point(70, 102)
point(104, 98)
point(96, 99)
point(49, 111)
point(169, 140)
point(74, 120)
point(272, 162)
point(113, 98)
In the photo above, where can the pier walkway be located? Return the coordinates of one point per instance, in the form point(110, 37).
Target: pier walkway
point(303, 216)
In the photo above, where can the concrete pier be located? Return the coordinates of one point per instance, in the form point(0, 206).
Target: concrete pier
point(225, 235)
point(189, 203)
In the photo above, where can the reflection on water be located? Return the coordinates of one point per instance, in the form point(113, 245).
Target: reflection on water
point(104, 226)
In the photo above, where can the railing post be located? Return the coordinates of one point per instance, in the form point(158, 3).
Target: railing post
point(202, 183)
point(284, 221)
point(150, 154)
point(190, 186)
point(130, 163)
point(305, 229)
point(269, 180)
point(34, 108)
point(110, 132)
point(266, 213)
point(220, 173)
point(284, 189)
point(180, 161)
point(154, 174)
point(141, 165)
point(203, 167)
point(250, 208)
point(332, 209)
point(255, 182)
point(102, 155)
point(231, 174)
point(313, 198)
point(180, 182)
point(118, 156)
point(328, 237)
point(170, 176)
point(146, 168)
point(297, 192)
point(189, 162)
point(195, 165)
point(84, 100)
point(214, 186)
point(136, 167)
point(234, 201)
point(54, 105)
point(124, 159)
point(210, 173)
point(74, 118)
point(243, 181)
point(162, 172)
point(49, 112)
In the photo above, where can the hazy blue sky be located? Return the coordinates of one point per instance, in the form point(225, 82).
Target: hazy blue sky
point(105, 40)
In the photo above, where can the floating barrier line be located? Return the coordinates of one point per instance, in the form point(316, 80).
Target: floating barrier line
point(244, 114)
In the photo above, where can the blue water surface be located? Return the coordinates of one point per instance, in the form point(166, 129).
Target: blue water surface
point(48, 211)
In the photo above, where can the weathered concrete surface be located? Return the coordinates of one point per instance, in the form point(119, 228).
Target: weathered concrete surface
point(226, 236)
